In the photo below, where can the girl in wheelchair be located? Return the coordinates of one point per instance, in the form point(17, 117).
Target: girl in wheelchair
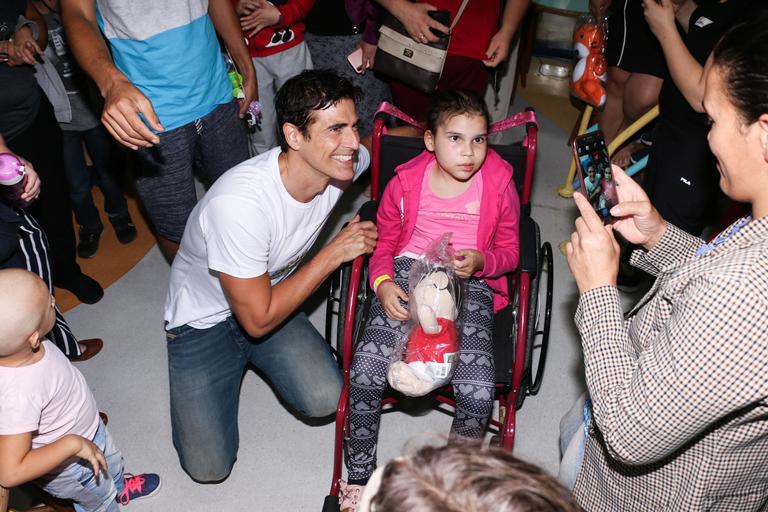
point(457, 185)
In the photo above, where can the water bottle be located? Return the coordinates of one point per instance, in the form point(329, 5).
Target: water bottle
point(12, 179)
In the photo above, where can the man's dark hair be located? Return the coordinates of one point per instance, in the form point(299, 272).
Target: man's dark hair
point(463, 477)
point(455, 102)
point(310, 90)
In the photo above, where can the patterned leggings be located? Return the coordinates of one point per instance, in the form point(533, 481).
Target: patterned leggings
point(473, 379)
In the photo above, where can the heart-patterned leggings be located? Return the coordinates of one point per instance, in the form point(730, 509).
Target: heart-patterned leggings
point(473, 379)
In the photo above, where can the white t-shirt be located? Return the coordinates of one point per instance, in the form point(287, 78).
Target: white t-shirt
point(49, 398)
point(246, 225)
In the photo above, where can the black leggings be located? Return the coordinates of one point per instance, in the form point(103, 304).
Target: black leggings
point(473, 379)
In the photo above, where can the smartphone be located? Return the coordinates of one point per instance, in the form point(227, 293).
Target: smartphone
point(595, 173)
point(355, 60)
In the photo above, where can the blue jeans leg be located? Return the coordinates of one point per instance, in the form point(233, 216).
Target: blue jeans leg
point(205, 368)
point(101, 147)
point(299, 364)
point(573, 440)
point(77, 481)
point(79, 180)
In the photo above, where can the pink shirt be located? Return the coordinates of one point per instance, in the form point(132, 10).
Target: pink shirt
point(438, 215)
point(49, 398)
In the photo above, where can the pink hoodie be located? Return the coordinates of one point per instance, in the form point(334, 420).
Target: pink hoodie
point(497, 233)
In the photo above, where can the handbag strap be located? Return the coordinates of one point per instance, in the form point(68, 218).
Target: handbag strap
point(458, 13)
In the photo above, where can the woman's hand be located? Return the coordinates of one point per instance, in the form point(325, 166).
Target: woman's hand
point(23, 49)
point(593, 253)
point(32, 186)
point(637, 219)
point(660, 16)
point(19, 52)
point(417, 21)
point(369, 53)
point(390, 296)
point(468, 261)
point(498, 49)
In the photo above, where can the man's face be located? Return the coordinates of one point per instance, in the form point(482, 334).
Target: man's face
point(332, 140)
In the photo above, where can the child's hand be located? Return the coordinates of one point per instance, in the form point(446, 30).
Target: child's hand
point(390, 296)
point(93, 455)
point(467, 262)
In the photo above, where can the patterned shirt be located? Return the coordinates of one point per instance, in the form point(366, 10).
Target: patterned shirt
point(680, 387)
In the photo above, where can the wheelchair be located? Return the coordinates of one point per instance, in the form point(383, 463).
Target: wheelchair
point(521, 329)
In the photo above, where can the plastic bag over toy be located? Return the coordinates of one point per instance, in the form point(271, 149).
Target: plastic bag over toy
point(425, 359)
point(590, 68)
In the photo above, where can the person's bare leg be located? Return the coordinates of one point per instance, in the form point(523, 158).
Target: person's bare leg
point(641, 93)
point(169, 248)
point(611, 118)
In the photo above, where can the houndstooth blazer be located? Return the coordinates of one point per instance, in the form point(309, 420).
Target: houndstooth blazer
point(680, 386)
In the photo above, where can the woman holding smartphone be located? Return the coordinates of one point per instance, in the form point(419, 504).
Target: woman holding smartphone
point(678, 393)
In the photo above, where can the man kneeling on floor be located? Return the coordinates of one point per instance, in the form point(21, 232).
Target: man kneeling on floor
point(236, 282)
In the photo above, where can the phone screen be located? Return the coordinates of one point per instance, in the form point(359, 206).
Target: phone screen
point(595, 173)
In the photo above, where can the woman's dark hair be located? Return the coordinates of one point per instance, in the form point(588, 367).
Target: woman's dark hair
point(741, 57)
point(455, 102)
point(463, 477)
point(308, 91)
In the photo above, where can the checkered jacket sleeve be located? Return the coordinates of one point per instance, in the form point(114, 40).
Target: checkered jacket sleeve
point(659, 380)
point(676, 245)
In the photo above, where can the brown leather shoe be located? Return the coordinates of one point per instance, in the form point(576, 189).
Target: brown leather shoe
point(88, 349)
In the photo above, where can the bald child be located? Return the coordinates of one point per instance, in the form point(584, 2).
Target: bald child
point(50, 430)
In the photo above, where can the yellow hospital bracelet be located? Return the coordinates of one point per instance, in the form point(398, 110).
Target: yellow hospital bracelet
point(379, 280)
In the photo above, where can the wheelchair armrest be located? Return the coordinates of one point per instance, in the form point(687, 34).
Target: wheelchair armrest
point(528, 246)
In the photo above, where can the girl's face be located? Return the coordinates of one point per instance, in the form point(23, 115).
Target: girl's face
point(739, 148)
point(460, 145)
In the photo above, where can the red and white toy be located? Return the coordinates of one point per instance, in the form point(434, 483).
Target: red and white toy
point(589, 71)
point(430, 354)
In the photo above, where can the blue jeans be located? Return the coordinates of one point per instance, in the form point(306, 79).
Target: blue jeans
point(76, 482)
point(206, 367)
point(101, 148)
point(573, 440)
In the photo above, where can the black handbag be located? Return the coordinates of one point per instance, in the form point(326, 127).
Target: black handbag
point(416, 64)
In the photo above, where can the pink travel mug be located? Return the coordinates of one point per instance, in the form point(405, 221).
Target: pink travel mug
point(12, 179)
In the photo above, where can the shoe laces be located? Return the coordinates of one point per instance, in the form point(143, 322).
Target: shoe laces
point(350, 496)
point(133, 485)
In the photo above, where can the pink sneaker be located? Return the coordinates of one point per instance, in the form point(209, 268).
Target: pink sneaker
point(349, 499)
point(139, 486)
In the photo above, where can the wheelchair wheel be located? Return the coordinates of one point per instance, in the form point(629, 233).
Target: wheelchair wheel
point(538, 322)
point(361, 310)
